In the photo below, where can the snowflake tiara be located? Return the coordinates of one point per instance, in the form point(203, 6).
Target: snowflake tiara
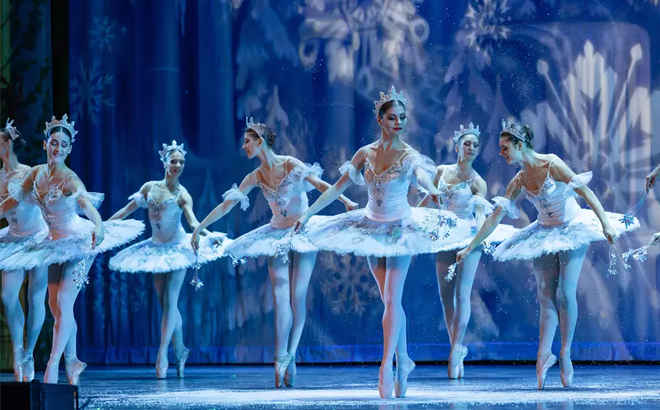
point(64, 122)
point(507, 128)
point(169, 148)
point(464, 131)
point(258, 127)
point(385, 98)
point(13, 134)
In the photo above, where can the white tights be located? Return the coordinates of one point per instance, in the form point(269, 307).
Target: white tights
point(168, 287)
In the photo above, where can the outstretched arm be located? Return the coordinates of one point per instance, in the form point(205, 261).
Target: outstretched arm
point(333, 192)
point(489, 225)
point(132, 205)
point(230, 201)
point(323, 186)
point(652, 177)
point(426, 201)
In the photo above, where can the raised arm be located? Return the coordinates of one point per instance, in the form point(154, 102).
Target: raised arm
point(230, 199)
point(561, 172)
point(504, 206)
point(78, 190)
point(350, 173)
point(12, 201)
point(135, 203)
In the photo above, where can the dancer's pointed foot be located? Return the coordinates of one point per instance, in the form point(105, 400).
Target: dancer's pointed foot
point(403, 370)
point(543, 364)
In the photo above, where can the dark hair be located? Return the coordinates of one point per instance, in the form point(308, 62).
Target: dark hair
point(383, 108)
point(19, 143)
point(523, 129)
point(59, 128)
point(268, 136)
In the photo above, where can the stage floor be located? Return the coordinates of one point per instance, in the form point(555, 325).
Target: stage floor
point(355, 387)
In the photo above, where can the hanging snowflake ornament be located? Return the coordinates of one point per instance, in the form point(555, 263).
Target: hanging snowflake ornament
point(80, 277)
point(638, 255)
point(196, 282)
point(451, 272)
point(628, 219)
point(611, 270)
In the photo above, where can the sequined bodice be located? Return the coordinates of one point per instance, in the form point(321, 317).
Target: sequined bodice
point(388, 192)
point(457, 198)
point(58, 210)
point(554, 201)
point(288, 200)
point(165, 219)
point(25, 219)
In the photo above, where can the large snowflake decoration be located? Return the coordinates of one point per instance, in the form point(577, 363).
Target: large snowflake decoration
point(347, 284)
point(89, 92)
point(484, 26)
point(596, 116)
point(102, 35)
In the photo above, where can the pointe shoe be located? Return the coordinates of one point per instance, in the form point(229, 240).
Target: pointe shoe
point(28, 368)
point(282, 362)
point(454, 371)
point(52, 373)
point(181, 363)
point(290, 375)
point(74, 369)
point(566, 377)
point(543, 364)
point(385, 382)
point(19, 356)
point(461, 368)
point(161, 368)
point(401, 378)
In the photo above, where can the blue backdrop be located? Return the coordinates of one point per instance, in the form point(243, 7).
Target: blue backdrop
point(584, 74)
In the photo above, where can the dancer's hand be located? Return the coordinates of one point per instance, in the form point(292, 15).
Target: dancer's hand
point(299, 226)
point(351, 206)
point(435, 195)
point(652, 177)
point(609, 233)
point(98, 234)
point(655, 240)
point(194, 241)
point(216, 238)
point(463, 254)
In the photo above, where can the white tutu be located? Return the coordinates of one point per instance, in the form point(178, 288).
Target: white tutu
point(74, 246)
point(535, 239)
point(150, 256)
point(269, 241)
point(10, 244)
point(353, 232)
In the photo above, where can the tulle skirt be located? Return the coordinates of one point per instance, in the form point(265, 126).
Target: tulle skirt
point(75, 246)
point(10, 244)
point(535, 240)
point(150, 256)
point(269, 241)
point(426, 230)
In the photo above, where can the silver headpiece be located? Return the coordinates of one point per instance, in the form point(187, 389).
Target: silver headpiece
point(463, 131)
point(258, 127)
point(13, 134)
point(392, 96)
point(507, 128)
point(64, 122)
point(170, 148)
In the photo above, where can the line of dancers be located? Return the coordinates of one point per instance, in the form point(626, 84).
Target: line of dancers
point(454, 220)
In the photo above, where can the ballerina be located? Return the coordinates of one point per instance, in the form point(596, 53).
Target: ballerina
point(557, 241)
point(284, 181)
point(463, 193)
point(25, 226)
point(388, 231)
point(72, 242)
point(167, 254)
